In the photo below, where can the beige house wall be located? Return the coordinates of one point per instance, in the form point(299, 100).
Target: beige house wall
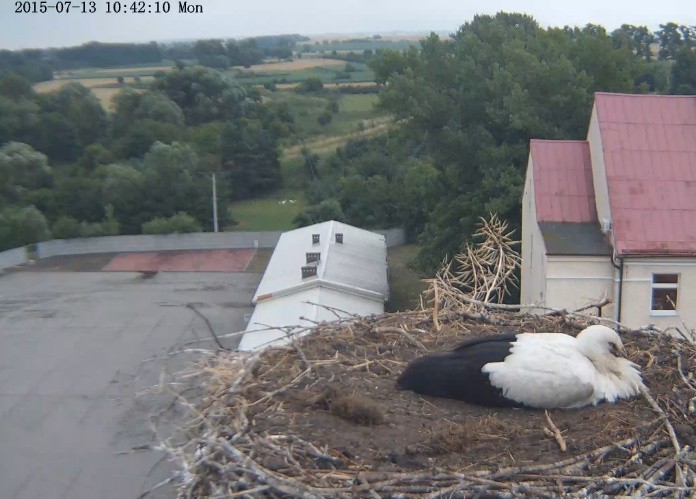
point(574, 281)
point(637, 292)
point(599, 174)
point(533, 271)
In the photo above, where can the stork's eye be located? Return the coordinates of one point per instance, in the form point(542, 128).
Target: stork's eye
point(614, 349)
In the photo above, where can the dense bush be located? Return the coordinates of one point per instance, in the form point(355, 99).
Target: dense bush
point(179, 223)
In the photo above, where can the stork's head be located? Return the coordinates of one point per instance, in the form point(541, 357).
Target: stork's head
point(621, 378)
point(598, 342)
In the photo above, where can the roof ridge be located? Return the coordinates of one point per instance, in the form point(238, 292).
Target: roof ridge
point(665, 96)
point(573, 141)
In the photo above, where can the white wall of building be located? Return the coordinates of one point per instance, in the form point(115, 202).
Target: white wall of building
point(599, 174)
point(285, 311)
point(533, 284)
point(574, 281)
point(637, 292)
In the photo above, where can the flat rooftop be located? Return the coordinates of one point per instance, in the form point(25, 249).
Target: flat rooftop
point(79, 351)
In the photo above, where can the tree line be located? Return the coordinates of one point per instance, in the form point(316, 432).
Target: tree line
point(39, 64)
point(466, 107)
point(68, 168)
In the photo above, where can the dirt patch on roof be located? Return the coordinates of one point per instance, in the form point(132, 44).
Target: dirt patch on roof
point(323, 418)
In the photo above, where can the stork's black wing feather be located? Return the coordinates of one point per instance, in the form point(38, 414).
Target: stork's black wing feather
point(457, 374)
point(491, 338)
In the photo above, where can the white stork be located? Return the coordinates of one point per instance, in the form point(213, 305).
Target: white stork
point(551, 370)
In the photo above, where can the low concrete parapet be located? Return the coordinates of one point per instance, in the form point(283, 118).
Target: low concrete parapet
point(16, 256)
point(166, 242)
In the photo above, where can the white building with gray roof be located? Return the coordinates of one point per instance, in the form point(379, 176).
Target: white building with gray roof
point(318, 273)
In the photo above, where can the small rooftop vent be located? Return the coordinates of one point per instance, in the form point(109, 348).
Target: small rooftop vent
point(339, 237)
point(313, 257)
point(309, 271)
point(315, 238)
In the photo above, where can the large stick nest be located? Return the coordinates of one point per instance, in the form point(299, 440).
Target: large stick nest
point(322, 418)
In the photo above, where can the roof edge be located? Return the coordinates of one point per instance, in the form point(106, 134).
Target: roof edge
point(645, 95)
point(318, 282)
point(652, 254)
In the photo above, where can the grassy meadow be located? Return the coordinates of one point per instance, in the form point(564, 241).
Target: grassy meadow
point(327, 70)
point(275, 212)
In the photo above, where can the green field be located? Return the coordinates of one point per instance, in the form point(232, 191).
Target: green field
point(357, 45)
point(306, 108)
point(129, 71)
point(269, 213)
point(327, 74)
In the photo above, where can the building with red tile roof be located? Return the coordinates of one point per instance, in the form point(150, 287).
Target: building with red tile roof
point(615, 216)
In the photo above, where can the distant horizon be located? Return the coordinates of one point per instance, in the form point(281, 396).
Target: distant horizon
point(312, 36)
point(225, 19)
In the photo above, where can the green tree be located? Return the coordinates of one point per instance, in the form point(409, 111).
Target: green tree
point(325, 117)
point(65, 228)
point(57, 137)
point(109, 226)
point(684, 72)
point(390, 62)
point(22, 169)
point(141, 135)
point(670, 40)
point(473, 101)
point(20, 226)
point(203, 94)
point(211, 53)
point(250, 153)
point(14, 87)
point(123, 187)
point(329, 209)
point(178, 223)
point(172, 183)
point(18, 119)
point(81, 108)
point(312, 84)
point(637, 39)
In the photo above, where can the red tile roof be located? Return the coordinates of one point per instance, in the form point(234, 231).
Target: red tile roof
point(649, 145)
point(563, 189)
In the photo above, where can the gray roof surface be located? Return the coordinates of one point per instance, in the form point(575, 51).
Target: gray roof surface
point(359, 263)
point(578, 239)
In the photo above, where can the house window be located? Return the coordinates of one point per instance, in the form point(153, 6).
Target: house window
point(664, 294)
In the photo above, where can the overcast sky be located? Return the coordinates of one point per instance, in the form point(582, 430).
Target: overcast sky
point(236, 18)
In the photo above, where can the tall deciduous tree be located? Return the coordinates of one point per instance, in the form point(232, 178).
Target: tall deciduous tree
point(203, 94)
point(476, 99)
point(20, 226)
point(250, 153)
point(684, 72)
point(21, 169)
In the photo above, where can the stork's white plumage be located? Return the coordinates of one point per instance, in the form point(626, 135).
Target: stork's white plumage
point(550, 370)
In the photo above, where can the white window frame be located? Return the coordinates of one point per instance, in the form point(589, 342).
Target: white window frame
point(671, 285)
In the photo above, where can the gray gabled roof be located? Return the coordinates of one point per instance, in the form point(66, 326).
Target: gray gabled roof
point(577, 239)
point(358, 265)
